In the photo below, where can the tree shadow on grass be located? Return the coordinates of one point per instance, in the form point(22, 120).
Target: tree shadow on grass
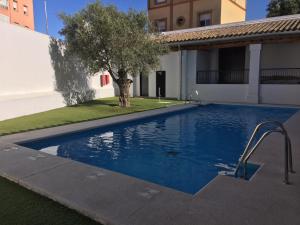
point(111, 103)
point(71, 77)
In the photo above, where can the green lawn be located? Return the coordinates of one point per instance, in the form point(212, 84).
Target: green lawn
point(20, 206)
point(90, 111)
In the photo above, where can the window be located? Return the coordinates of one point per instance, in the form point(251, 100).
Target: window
point(4, 3)
point(204, 19)
point(25, 9)
point(15, 5)
point(161, 25)
point(157, 2)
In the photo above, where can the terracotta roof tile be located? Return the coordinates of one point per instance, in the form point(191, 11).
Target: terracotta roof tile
point(244, 29)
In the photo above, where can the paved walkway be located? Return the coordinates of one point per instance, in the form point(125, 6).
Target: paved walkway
point(113, 198)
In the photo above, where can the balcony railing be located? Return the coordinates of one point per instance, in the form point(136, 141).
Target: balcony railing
point(280, 76)
point(222, 77)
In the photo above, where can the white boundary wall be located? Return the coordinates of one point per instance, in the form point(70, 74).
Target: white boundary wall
point(27, 76)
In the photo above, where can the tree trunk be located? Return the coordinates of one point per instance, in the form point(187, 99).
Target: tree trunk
point(124, 86)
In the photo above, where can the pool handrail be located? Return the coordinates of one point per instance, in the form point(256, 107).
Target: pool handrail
point(248, 152)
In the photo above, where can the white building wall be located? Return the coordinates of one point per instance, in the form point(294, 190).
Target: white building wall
point(184, 75)
point(190, 78)
point(280, 55)
point(208, 60)
point(152, 84)
point(280, 94)
point(15, 106)
point(171, 64)
point(28, 78)
point(4, 18)
point(235, 93)
point(136, 86)
point(185, 87)
point(254, 73)
point(283, 55)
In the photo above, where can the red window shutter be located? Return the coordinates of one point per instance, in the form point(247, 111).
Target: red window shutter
point(102, 80)
point(107, 79)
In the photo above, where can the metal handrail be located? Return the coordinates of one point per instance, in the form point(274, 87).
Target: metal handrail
point(280, 76)
point(249, 151)
point(222, 76)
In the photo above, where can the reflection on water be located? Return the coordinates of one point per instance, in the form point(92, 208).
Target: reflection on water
point(103, 139)
point(52, 150)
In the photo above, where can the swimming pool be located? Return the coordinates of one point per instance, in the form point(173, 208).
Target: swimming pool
point(183, 150)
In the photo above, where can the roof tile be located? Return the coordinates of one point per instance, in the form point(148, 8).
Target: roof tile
point(244, 29)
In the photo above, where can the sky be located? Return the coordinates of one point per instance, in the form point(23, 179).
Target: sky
point(256, 9)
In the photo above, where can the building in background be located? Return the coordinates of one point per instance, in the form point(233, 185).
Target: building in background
point(18, 12)
point(168, 15)
point(250, 62)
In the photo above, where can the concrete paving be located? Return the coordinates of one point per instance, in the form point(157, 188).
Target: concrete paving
point(113, 198)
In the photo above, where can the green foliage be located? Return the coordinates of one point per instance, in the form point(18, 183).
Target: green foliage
point(283, 7)
point(106, 38)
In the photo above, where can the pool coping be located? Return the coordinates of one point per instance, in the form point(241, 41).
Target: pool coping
point(127, 200)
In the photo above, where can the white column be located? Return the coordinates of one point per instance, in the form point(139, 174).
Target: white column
point(136, 86)
point(191, 73)
point(188, 72)
point(214, 64)
point(152, 83)
point(254, 72)
point(184, 68)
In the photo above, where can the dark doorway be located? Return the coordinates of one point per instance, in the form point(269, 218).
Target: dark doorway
point(232, 65)
point(232, 58)
point(144, 85)
point(161, 84)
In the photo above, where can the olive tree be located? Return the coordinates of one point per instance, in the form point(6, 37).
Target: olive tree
point(120, 42)
point(283, 7)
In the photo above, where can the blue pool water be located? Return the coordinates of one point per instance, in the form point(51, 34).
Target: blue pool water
point(183, 151)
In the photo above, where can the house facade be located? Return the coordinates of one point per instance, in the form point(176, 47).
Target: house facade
point(168, 15)
point(18, 12)
point(247, 62)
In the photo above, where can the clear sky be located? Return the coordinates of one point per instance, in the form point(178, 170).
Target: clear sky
point(256, 9)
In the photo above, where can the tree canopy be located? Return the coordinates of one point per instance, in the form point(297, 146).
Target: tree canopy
point(119, 42)
point(283, 7)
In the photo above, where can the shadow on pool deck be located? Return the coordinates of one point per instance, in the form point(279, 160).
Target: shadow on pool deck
point(113, 198)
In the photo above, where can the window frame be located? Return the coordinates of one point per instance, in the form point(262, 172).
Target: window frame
point(160, 3)
point(17, 5)
point(161, 20)
point(205, 13)
point(27, 9)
